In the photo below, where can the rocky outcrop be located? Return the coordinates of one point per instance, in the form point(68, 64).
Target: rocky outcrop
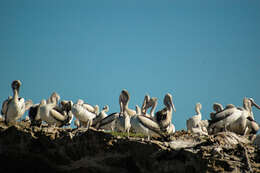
point(34, 149)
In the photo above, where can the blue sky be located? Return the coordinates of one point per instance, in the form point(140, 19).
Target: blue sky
point(199, 51)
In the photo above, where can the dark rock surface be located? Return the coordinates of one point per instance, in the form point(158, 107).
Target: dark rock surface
point(34, 149)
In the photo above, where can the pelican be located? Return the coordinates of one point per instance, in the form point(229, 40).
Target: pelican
point(246, 124)
point(116, 119)
point(217, 107)
point(194, 123)
point(164, 116)
point(149, 102)
point(123, 120)
point(162, 124)
point(108, 122)
point(90, 108)
point(145, 102)
point(101, 115)
point(124, 99)
point(47, 112)
point(33, 111)
point(254, 104)
point(54, 98)
point(238, 120)
point(139, 127)
point(83, 115)
point(14, 107)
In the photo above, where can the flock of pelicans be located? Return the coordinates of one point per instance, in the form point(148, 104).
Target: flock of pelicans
point(239, 120)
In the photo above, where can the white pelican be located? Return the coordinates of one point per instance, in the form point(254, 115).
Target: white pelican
point(123, 123)
point(33, 111)
point(101, 115)
point(217, 107)
point(14, 107)
point(124, 99)
point(108, 122)
point(47, 112)
point(164, 117)
point(162, 124)
point(238, 120)
point(117, 119)
point(246, 124)
point(194, 123)
point(123, 120)
point(139, 127)
point(83, 115)
point(54, 98)
point(145, 102)
point(90, 108)
point(152, 102)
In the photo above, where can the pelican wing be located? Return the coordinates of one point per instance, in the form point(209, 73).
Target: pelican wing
point(96, 120)
point(150, 124)
point(89, 107)
point(109, 119)
point(5, 106)
point(57, 116)
point(221, 115)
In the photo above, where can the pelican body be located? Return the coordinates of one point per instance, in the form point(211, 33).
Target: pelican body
point(14, 107)
point(238, 120)
point(139, 127)
point(47, 112)
point(101, 115)
point(162, 124)
point(194, 123)
point(83, 115)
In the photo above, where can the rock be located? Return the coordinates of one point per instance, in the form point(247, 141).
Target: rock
point(34, 149)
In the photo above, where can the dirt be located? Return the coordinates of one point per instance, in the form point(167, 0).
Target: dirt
point(34, 149)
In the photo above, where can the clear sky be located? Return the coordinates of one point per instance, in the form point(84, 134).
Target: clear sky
point(199, 51)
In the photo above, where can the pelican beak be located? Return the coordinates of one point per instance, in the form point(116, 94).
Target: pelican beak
point(254, 103)
point(173, 107)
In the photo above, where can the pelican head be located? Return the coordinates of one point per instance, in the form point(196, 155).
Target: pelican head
point(125, 96)
point(198, 107)
point(55, 97)
point(43, 102)
point(217, 107)
point(168, 101)
point(152, 101)
point(145, 103)
point(254, 103)
point(229, 106)
point(80, 102)
point(106, 108)
point(16, 84)
point(247, 104)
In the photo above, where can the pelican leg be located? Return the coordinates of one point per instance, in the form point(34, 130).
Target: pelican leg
point(148, 138)
point(87, 127)
point(6, 122)
point(113, 127)
point(128, 133)
point(89, 123)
